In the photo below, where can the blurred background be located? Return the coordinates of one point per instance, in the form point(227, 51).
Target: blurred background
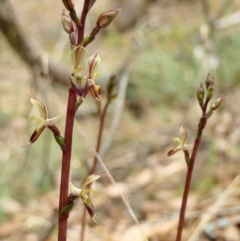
point(160, 51)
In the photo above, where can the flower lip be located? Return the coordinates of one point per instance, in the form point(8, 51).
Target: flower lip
point(74, 190)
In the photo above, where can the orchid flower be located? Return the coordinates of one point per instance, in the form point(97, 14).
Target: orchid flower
point(92, 64)
point(44, 121)
point(181, 142)
point(84, 193)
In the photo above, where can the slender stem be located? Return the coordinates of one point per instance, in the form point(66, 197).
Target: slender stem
point(66, 160)
point(83, 20)
point(187, 187)
point(201, 125)
point(93, 169)
point(99, 140)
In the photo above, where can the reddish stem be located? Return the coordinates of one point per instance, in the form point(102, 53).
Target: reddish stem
point(201, 125)
point(99, 140)
point(187, 187)
point(83, 20)
point(66, 160)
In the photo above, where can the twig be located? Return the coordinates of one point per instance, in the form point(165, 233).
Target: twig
point(118, 111)
point(95, 159)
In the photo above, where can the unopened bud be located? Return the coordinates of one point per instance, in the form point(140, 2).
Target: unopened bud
point(107, 17)
point(67, 23)
point(73, 39)
point(200, 92)
point(210, 91)
point(68, 5)
point(215, 104)
point(209, 81)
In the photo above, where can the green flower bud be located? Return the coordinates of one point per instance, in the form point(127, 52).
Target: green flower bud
point(209, 81)
point(210, 91)
point(200, 92)
point(107, 17)
point(215, 104)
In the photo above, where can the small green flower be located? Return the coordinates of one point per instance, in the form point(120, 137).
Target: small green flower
point(84, 193)
point(181, 142)
point(44, 120)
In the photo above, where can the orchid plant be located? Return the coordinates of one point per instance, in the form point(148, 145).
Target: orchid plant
point(80, 85)
point(204, 95)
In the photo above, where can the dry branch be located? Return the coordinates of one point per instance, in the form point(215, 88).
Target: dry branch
point(21, 43)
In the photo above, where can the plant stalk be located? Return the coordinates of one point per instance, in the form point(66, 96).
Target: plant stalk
point(201, 126)
point(83, 20)
point(66, 160)
point(187, 186)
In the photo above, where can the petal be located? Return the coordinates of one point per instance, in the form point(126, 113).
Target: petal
point(78, 54)
point(35, 135)
point(95, 91)
point(92, 64)
point(89, 206)
point(89, 179)
point(40, 106)
point(173, 151)
point(39, 118)
point(183, 135)
point(87, 191)
point(177, 140)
